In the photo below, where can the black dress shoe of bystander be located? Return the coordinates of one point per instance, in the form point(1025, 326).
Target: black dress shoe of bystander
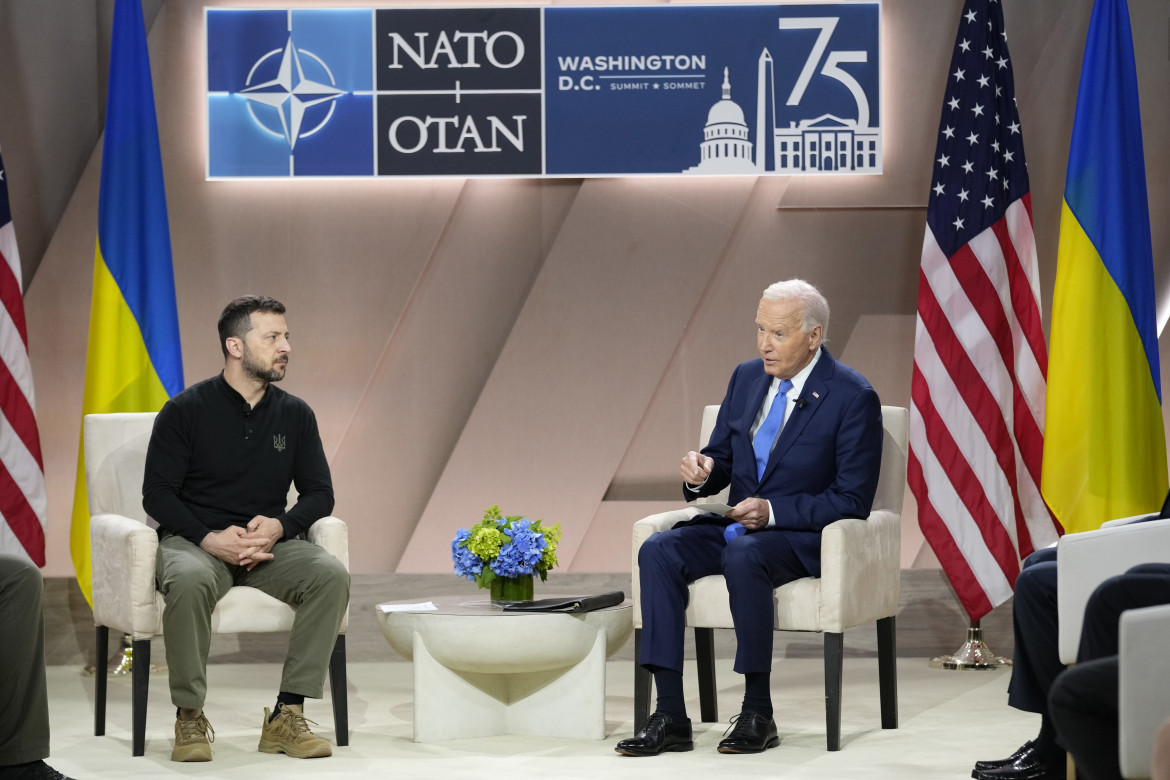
point(1027, 767)
point(1021, 751)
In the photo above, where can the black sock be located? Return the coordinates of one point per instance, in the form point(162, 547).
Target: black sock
point(284, 698)
point(669, 686)
point(757, 693)
point(1045, 742)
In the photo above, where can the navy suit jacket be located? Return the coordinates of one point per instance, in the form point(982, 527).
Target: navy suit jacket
point(825, 464)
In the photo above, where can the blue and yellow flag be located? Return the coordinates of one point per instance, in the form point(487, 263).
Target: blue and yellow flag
point(1104, 446)
point(134, 362)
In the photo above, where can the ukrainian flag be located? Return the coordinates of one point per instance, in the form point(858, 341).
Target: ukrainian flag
point(1104, 446)
point(134, 362)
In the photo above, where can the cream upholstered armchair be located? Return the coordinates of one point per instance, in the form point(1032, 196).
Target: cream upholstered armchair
point(124, 548)
point(860, 574)
point(1083, 562)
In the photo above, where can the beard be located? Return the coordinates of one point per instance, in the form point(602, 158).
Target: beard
point(254, 369)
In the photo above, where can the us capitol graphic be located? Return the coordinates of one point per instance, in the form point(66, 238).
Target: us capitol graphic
point(826, 144)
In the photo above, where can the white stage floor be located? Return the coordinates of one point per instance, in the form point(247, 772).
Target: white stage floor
point(948, 720)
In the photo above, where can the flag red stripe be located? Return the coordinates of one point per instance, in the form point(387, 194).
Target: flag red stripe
point(19, 414)
point(1024, 302)
point(22, 478)
point(962, 579)
point(966, 484)
point(21, 517)
point(11, 297)
point(970, 383)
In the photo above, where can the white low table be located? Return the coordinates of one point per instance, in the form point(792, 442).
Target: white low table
point(480, 671)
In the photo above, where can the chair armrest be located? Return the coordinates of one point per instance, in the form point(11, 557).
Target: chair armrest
point(123, 553)
point(860, 570)
point(1085, 560)
point(643, 530)
point(1123, 520)
point(1143, 684)
point(332, 534)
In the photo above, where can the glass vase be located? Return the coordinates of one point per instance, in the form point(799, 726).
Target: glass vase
point(512, 588)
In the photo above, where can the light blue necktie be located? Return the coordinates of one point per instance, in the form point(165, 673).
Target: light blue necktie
point(766, 434)
point(762, 444)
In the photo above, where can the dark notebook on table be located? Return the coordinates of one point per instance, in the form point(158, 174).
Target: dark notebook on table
point(567, 603)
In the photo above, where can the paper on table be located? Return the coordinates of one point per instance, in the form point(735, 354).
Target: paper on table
point(425, 606)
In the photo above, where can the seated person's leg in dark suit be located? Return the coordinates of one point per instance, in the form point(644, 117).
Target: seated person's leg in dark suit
point(24, 722)
point(754, 565)
point(1144, 585)
point(1035, 665)
point(1083, 704)
point(1083, 701)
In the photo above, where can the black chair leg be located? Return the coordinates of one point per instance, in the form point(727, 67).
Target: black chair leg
point(339, 691)
point(642, 683)
point(888, 671)
point(705, 661)
point(101, 650)
point(834, 663)
point(140, 685)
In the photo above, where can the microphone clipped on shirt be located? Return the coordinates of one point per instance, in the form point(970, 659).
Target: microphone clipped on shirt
point(800, 403)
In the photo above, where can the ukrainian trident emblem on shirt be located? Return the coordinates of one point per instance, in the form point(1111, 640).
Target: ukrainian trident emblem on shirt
point(278, 442)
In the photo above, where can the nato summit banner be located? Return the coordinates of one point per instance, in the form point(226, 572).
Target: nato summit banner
point(560, 91)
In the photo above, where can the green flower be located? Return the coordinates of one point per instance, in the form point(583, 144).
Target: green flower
point(552, 537)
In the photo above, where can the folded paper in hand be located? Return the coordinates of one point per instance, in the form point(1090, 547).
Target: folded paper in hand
point(567, 603)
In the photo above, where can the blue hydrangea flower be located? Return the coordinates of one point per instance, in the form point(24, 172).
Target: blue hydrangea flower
point(467, 564)
point(522, 553)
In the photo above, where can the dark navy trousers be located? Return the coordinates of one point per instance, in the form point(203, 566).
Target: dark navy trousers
point(1036, 661)
point(754, 565)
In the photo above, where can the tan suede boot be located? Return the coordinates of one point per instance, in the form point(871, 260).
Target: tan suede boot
point(289, 733)
point(193, 739)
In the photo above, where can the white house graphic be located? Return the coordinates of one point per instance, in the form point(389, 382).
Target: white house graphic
point(824, 144)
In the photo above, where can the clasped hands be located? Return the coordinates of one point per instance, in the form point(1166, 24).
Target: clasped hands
point(751, 512)
point(245, 546)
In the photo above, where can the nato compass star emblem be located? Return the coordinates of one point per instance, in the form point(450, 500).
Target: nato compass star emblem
point(290, 95)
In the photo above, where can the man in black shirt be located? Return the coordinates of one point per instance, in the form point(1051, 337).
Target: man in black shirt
point(218, 468)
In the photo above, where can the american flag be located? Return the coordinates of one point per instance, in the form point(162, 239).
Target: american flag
point(22, 473)
point(978, 391)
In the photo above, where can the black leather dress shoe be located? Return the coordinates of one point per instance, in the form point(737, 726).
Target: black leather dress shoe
point(661, 734)
point(751, 733)
point(1029, 766)
point(1021, 751)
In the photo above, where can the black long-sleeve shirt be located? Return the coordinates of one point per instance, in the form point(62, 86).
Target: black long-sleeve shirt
point(214, 462)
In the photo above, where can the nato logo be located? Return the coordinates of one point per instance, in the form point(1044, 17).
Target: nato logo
point(289, 93)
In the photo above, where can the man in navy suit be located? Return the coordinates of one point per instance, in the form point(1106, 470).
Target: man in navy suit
point(799, 440)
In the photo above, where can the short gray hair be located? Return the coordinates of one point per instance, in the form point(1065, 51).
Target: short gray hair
point(816, 308)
